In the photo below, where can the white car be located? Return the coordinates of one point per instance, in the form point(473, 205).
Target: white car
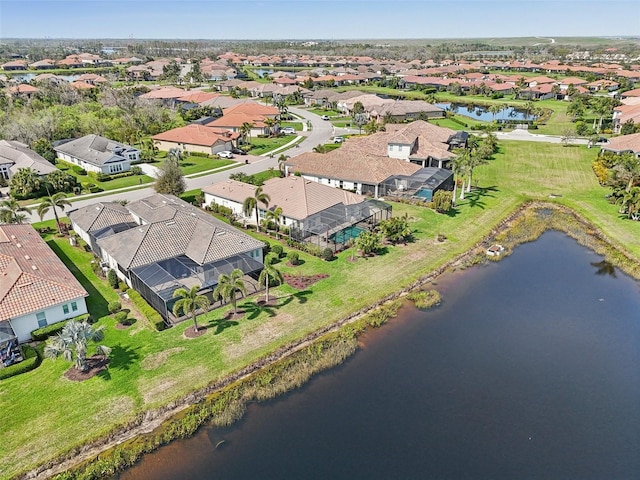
point(325, 117)
point(338, 139)
point(288, 131)
point(225, 154)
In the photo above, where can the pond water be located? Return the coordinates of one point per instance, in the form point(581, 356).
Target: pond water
point(528, 370)
point(482, 113)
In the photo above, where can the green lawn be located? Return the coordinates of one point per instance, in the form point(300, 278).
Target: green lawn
point(47, 414)
point(264, 145)
point(193, 164)
point(296, 125)
point(114, 184)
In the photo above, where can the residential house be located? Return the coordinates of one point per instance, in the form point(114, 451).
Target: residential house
point(623, 144)
point(14, 65)
point(310, 211)
point(363, 164)
point(98, 154)
point(161, 243)
point(36, 288)
point(22, 90)
point(15, 155)
point(196, 138)
point(45, 64)
point(233, 118)
point(403, 110)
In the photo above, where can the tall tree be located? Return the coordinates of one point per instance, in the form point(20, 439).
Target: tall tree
point(229, 286)
point(245, 131)
point(270, 274)
point(627, 168)
point(282, 160)
point(25, 183)
point(72, 342)
point(12, 212)
point(251, 203)
point(459, 168)
point(189, 303)
point(274, 216)
point(170, 180)
point(55, 201)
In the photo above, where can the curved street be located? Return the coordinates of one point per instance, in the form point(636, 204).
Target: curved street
point(321, 132)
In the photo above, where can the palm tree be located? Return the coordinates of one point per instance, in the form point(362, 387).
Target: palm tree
point(251, 203)
point(459, 168)
point(25, 182)
point(274, 216)
point(495, 109)
point(245, 131)
point(628, 168)
point(55, 201)
point(74, 337)
point(10, 211)
point(269, 122)
point(229, 286)
point(189, 303)
point(282, 159)
point(174, 155)
point(270, 273)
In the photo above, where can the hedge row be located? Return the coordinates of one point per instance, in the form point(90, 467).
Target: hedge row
point(31, 361)
point(147, 310)
point(46, 332)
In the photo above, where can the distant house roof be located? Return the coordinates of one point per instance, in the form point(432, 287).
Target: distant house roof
point(164, 93)
point(299, 198)
point(95, 150)
point(624, 143)
point(18, 155)
point(170, 227)
point(198, 97)
point(33, 277)
point(195, 134)
point(23, 88)
point(252, 108)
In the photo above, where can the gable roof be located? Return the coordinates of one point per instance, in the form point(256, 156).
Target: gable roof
point(18, 155)
point(95, 149)
point(32, 277)
point(624, 143)
point(299, 198)
point(196, 134)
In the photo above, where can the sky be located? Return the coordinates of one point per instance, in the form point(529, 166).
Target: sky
point(316, 19)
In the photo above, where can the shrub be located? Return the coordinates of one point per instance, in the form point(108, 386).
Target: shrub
point(31, 360)
point(442, 200)
point(115, 307)
point(78, 170)
point(50, 330)
point(135, 170)
point(122, 286)
point(277, 250)
point(99, 176)
point(112, 278)
point(147, 310)
point(327, 254)
point(294, 258)
point(266, 249)
point(121, 317)
point(424, 300)
point(200, 154)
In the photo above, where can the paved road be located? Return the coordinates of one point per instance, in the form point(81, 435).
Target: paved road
point(520, 134)
point(320, 133)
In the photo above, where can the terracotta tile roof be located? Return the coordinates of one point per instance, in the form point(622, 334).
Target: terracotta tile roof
point(631, 93)
point(252, 108)
point(195, 134)
point(164, 93)
point(351, 166)
point(23, 88)
point(235, 120)
point(32, 277)
point(198, 97)
point(624, 143)
point(299, 198)
point(82, 85)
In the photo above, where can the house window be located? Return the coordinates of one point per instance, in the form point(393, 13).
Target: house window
point(65, 309)
point(74, 306)
point(42, 319)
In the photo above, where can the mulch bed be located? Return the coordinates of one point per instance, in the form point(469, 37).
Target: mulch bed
point(96, 364)
point(190, 332)
point(301, 282)
point(120, 326)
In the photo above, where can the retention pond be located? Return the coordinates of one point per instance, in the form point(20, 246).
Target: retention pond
point(530, 369)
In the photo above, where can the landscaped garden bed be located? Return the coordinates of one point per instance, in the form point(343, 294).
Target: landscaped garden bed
point(303, 281)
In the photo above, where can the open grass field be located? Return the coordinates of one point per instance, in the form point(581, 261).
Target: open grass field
point(46, 414)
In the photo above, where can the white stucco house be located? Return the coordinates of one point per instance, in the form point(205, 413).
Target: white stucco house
point(98, 154)
point(36, 288)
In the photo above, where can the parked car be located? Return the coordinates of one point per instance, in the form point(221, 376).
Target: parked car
point(238, 151)
point(325, 117)
point(288, 131)
point(338, 139)
point(225, 154)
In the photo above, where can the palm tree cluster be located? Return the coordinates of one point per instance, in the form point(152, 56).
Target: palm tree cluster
point(228, 288)
point(71, 343)
point(467, 159)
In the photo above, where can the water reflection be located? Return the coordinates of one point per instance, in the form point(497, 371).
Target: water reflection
point(604, 268)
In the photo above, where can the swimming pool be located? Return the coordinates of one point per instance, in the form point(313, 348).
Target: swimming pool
point(424, 193)
point(343, 236)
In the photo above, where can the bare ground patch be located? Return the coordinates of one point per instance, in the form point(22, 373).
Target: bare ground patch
point(155, 360)
point(163, 386)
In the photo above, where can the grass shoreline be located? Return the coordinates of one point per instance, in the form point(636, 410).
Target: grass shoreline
point(525, 224)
